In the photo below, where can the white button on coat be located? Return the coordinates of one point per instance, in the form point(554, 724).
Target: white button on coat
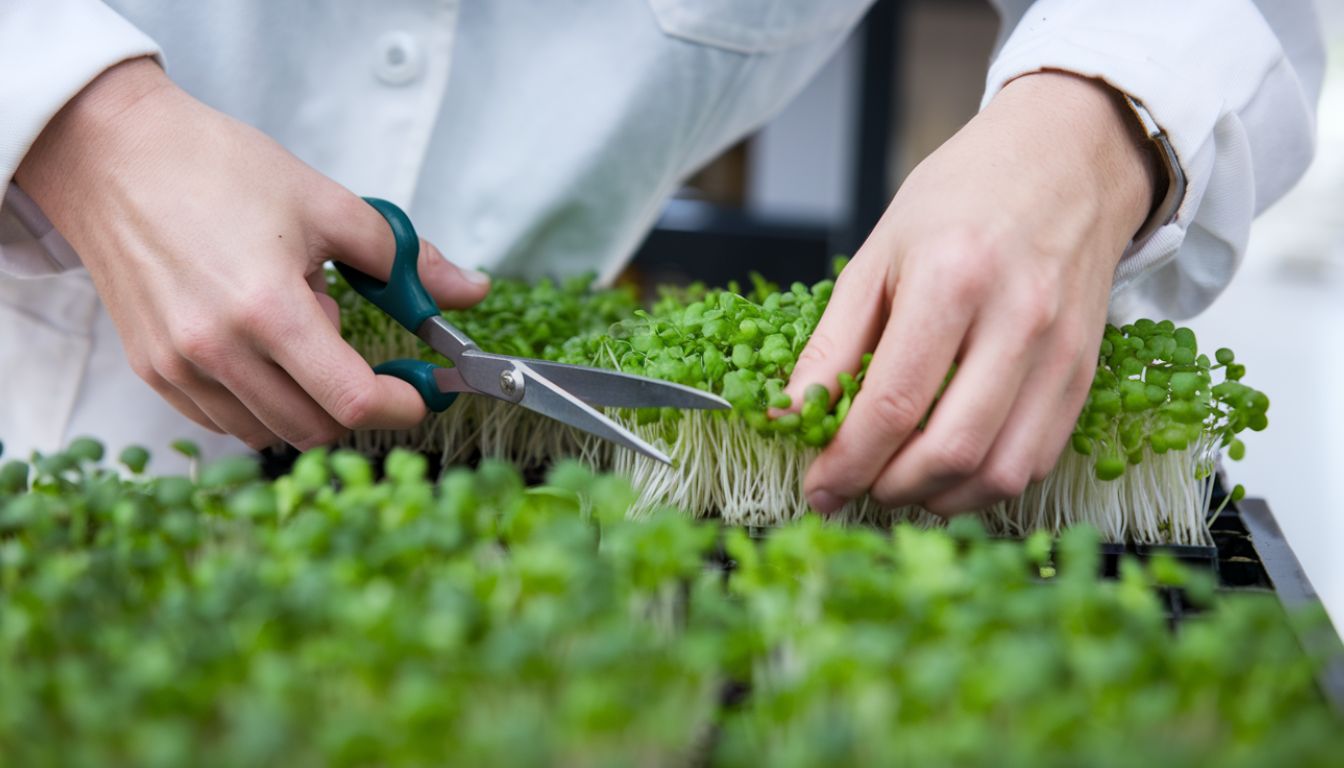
point(399, 59)
point(543, 137)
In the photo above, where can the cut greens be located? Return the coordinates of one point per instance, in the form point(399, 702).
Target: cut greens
point(326, 618)
point(1157, 418)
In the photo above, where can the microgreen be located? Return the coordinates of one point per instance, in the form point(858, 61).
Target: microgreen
point(331, 618)
point(1155, 421)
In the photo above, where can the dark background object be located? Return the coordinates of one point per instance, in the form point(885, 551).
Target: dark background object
point(722, 244)
point(714, 240)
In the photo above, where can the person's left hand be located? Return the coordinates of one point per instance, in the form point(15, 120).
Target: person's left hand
point(997, 254)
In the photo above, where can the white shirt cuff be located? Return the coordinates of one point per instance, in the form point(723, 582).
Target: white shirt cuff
point(1196, 66)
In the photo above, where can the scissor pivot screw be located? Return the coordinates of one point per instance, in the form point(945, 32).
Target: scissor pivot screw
point(508, 382)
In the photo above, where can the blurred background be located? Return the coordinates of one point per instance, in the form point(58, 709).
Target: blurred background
point(813, 182)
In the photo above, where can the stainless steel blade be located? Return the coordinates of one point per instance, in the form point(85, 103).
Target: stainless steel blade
point(515, 380)
point(543, 396)
point(614, 389)
point(445, 338)
point(450, 380)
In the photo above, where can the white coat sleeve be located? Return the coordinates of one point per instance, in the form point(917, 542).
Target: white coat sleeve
point(1234, 83)
point(49, 50)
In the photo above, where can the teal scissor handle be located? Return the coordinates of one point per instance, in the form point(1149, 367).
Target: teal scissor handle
point(404, 298)
point(419, 374)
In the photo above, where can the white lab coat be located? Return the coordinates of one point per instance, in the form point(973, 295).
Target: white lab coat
point(543, 136)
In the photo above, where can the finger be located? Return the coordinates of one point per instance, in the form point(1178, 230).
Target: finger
point(452, 287)
point(303, 342)
point(218, 406)
point(184, 405)
point(215, 369)
point(1029, 445)
point(148, 367)
point(330, 308)
point(920, 341)
point(282, 405)
point(180, 382)
point(317, 280)
point(357, 235)
point(354, 233)
point(967, 421)
point(848, 328)
point(229, 413)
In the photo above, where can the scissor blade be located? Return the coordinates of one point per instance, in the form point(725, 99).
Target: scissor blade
point(544, 396)
point(613, 389)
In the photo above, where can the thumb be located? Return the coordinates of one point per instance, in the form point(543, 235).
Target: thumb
point(357, 235)
point(850, 326)
point(453, 287)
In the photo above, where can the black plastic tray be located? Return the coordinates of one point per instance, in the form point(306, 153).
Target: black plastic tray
point(1289, 582)
point(1250, 554)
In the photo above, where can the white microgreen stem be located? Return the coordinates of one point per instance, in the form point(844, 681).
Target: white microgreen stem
point(1147, 440)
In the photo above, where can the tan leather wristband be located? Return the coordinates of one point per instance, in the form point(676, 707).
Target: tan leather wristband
point(1164, 211)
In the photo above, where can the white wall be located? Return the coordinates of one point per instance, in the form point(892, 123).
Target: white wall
point(1284, 317)
point(800, 163)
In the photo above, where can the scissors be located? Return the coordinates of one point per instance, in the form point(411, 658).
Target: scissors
point(566, 393)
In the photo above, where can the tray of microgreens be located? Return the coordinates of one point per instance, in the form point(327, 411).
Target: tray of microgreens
point(348, 614)
point(1160, 414)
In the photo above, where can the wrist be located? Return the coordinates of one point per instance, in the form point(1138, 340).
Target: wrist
point(1094, 129)
point(88, 127)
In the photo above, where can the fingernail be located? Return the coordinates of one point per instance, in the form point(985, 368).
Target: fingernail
point(825, 502)
point(475, 276)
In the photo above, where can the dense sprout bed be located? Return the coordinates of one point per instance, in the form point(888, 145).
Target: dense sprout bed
point(327, 618)
point(1159, 414)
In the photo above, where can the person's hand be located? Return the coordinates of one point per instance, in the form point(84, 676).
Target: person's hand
point(997, 254)
point(206, 240)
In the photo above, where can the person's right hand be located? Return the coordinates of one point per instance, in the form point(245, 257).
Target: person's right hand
point(206, 240)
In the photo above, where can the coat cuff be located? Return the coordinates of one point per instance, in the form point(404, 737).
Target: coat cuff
point(1188, 70)
point(51, 49)
point(1180, 69)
